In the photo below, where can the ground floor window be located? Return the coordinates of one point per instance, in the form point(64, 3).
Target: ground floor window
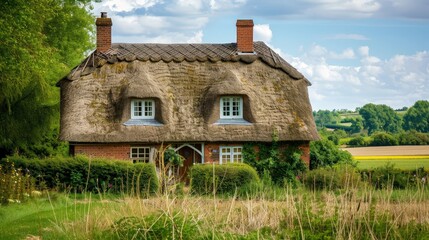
point(230, 154)
point(140, 154)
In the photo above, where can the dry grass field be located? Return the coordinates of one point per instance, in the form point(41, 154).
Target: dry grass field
point(390, 151)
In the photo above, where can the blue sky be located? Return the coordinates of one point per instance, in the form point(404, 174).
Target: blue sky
point(353, 51)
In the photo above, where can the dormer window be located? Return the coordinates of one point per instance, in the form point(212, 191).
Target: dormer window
point(231, 107)
point(142, 109)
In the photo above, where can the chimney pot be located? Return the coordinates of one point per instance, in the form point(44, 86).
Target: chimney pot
point(104, 32)
point(245, 35)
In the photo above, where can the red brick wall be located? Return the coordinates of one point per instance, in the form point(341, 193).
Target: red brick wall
point(245, 35)
point(104, 33)
point(114, 151)
point(211, 150)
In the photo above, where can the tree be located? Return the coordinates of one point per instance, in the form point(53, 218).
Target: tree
point(324, 117)
point(325, 153)
point(357, 125)
point(417, 117)
point(380, 118)
point(40, 41)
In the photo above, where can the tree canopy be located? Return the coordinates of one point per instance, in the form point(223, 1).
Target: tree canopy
point(417, 117)
point(41, 40)
point(380, 118)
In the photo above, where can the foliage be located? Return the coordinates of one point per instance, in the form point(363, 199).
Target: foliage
point(283, 166)
point(380, 118)
point(388, 176)
point(225, 178)
point(417, 117)
point(86, 174)
point(358, 141)
point(413, 138)
point(357, 125)
point(156, 226)
point(325, 153)
point(383, 139)
point(49, 146)
point(324, 117)
point(41, 41)
point(168, 163)
point(15, 185)
point(340, 176)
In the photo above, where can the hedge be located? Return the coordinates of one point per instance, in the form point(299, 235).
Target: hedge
point(344, 176)
point(86, 174)
point(225, 178)
point(340, 176)
point(389, 177)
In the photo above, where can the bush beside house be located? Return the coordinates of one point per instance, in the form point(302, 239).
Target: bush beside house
point(226, 178)
point(86, 174)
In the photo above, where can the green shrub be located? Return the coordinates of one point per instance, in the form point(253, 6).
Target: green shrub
point(156, 226)
point(358, 141)
point(413, 138)
point(225, 178)
point(282, 166)
point(326, 153)
point(390, 177)
point(341, 176)
point(383, 139)
point(81, 173)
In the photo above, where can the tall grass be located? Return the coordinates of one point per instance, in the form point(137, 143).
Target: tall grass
point(263, 211)
point(15, 186)
point(294, 214)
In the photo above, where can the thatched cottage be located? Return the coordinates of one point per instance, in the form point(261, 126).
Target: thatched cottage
point(206, 100)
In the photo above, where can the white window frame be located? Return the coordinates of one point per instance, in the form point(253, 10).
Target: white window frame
point(143, 154)
point(230, 101)
point(232, 153)
point(145, 114)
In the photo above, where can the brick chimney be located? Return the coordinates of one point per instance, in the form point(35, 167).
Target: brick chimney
point(104, 32)
point(245, 35)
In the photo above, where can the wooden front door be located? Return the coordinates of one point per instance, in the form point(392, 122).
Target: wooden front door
point(190, 158)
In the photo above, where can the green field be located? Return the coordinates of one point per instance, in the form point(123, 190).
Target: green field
point(401, 163)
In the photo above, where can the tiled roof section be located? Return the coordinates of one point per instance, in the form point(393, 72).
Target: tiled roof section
point(198, 52)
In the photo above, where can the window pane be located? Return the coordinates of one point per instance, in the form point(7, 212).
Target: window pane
point(236, 106)
point(148, 108)
point(226, 107)
point(140, 154)
point(137, 108)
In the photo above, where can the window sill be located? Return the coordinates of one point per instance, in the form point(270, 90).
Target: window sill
point(143, 122)
point(232, 122)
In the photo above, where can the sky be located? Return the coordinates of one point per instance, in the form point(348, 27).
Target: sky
point(353, 52)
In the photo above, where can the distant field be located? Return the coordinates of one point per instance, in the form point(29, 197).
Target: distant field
point(403, 157)
point(402, 163)
point(390, 151)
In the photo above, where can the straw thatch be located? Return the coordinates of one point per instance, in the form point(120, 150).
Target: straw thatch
point(186, 82)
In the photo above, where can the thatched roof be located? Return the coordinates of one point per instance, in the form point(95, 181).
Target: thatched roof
point(186, 82)
point(184, 52)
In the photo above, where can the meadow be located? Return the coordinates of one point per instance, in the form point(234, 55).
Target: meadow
point(401, 162)
point(402, 157)
point(275, 213)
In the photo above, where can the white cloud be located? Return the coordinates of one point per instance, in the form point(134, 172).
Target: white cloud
point(222, 5)
point(186, 7)
point(397, 82)
point(346, 54)
point(126, 6)
point(364, 51)
point(262, 32)
point(339, 9)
